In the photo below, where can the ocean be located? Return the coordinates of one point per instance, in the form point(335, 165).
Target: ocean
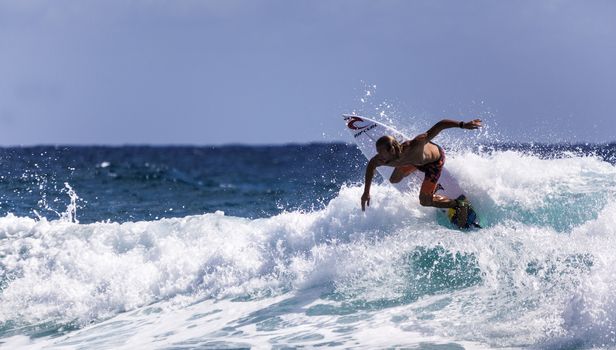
point(233, 247)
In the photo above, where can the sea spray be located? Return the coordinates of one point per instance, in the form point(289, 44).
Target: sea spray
point(70, 214)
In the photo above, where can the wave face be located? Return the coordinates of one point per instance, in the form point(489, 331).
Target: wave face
point(324, 273)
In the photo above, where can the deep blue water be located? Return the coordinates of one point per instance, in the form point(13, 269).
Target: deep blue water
point(144, 183)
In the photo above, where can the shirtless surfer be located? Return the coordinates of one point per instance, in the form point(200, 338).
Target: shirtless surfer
point(420, 154)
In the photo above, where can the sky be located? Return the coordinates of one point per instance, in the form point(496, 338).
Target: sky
point(273, 72)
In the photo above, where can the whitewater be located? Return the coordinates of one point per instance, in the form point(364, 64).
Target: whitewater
point(541, 274)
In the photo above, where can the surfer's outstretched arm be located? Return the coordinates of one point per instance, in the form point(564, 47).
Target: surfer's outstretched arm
point(448, 123)
point(365, 198)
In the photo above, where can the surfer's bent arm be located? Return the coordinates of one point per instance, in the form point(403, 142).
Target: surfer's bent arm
point(448, 123)
point(400, 173)
point(365, 198)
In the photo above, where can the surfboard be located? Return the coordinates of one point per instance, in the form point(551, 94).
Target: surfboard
point(366, 131)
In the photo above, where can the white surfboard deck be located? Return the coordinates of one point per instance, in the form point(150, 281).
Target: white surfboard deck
point(366, 131)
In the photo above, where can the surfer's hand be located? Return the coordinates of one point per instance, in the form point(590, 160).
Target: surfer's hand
point(365, 200)
point(472, 125)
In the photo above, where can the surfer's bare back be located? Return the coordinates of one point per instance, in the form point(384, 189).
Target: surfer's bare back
point(420, 154)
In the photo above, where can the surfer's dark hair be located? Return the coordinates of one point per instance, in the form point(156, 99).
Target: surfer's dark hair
point(390, 143)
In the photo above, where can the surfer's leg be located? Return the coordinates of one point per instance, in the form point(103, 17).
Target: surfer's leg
point(400, 173)
point(430, 185)
point(427, 197)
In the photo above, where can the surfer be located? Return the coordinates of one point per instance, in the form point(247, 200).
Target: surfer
point(420, 154)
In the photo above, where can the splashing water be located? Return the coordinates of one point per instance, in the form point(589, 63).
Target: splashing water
point(70, 215)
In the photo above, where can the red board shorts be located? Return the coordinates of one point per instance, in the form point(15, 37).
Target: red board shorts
point(432, 170)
